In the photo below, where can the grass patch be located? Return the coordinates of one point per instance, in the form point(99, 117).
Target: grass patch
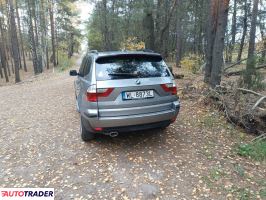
point(216, 173)
point(208, 181)
point(263, 193)
point(256, 150)
point(239, 170)
point(243, 193)
point(209, 121)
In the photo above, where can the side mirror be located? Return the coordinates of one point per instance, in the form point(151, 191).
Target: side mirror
point(73, 73)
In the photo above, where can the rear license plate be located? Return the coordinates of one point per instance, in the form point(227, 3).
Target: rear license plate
point(146, 94)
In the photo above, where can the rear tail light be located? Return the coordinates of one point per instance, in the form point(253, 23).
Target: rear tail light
point(169, 87)
point(93, 93)
point(98, 129)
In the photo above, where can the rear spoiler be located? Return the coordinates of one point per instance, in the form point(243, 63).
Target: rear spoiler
point(120, 57)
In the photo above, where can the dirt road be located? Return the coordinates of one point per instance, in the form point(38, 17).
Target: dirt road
point(40, 146)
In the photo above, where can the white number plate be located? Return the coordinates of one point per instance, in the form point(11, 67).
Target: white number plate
point(138, 95)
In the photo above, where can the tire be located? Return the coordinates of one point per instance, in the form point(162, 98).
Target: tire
point(86, 135)
point(164, 127)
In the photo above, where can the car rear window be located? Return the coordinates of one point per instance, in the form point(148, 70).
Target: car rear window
point(130, 66)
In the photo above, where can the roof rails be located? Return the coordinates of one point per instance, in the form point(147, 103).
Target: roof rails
point(92, 51)
point(148, 50)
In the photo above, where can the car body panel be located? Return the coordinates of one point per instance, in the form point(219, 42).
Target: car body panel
point(113, 111)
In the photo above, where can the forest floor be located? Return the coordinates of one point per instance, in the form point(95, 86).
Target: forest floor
point(195, 158)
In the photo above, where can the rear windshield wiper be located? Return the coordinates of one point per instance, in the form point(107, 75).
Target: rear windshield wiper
point(124, 74)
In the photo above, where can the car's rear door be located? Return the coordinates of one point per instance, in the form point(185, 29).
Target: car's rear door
point(133, 84)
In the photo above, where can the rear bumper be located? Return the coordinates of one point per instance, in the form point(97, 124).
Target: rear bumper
point(141, 127)
point(92, 122)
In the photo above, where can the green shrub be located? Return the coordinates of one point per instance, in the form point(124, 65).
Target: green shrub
point(256, 150)
point(192, 62)
point(252, 78)
point(64, 62)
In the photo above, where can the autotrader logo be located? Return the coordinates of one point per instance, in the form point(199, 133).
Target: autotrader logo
point(27, 193)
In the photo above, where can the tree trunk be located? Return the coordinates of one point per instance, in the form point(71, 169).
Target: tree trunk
point(233, 33)
point(32, 38)
point(250, 68)
point(3, 61)
point(51, 13)
point(21, 39)
point(9, 39)
point(43, 32)
point(3, 52)
point(166, 25)
point(263, 37)
point(217, 25)
point(107, 45)
point(1, 71)
point(35, 13)
point(211, 29)
point(56, 44)
point(178, 38)
point(43, 28)
point(245, 27)
point(148, 27)
point(218, 47)
point(14, 41)
point(71, 45)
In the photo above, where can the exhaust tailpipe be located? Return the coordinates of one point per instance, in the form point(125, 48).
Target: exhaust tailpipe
point(113, 134)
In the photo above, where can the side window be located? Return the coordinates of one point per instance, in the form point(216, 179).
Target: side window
point(87, 66)
point(81, 69)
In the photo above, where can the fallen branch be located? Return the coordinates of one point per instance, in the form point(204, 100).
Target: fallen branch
point(250, 91)
point(259, 138)
point(258, 102)
point(238, 73)
point(240, 111)
point(240, 61)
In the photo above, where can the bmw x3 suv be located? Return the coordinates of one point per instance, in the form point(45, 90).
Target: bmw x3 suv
point(124, 91)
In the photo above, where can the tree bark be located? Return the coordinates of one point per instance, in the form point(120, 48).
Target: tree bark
point(71, 45)
point(148, 27)
point(263, 37)
point(21, 39)
point(9, 52)
point(3, 52)
point(35, 13)
point(216, 33)
point(250, 68)
point(51, 13)
point(245, 27)
point(44, 35)
point(233, 33)
point(14, 41)
point(218, 47)
point(211, 29)
point(32, 38)
point(107, 45)
point(178, 38)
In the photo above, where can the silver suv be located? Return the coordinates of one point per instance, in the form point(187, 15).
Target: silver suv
point(124, 91)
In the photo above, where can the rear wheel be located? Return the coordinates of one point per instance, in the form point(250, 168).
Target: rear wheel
point(165, 127)
point(85, 134)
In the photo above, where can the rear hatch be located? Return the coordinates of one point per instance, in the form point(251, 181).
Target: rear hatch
point(133, 84)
